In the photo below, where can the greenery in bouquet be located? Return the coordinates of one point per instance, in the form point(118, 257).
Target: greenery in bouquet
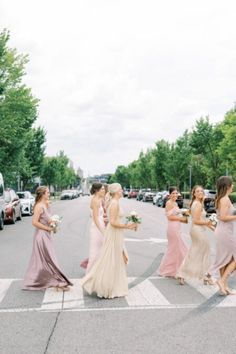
point(134, 218)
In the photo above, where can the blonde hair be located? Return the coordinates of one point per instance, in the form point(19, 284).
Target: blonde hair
point(40, 191)
point(193, 197)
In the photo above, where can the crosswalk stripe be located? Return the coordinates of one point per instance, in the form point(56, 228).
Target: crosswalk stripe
point(206, 290)
point(145, 293)
point(228, 301)
point(4, 286)
point(75, 297)
point(52, 299)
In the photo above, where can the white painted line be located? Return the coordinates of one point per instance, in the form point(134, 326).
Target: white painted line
point(4, 286)
point(145, 293)
point(74, 298)
point(206, 290)
point(52, 299)
point(228, 301)
point(151, 239)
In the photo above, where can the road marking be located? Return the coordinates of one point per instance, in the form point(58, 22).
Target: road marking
point(4, 286)
point(142, 296)
point(151, 239)
point(206, 290)
point(145, 293)
point(52, 299)
point(74, 297)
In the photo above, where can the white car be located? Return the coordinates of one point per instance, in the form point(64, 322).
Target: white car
point(27, 202)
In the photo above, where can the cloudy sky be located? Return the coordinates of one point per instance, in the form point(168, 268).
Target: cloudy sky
point(115, 76)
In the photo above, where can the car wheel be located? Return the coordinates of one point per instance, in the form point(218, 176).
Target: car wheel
point(13, 221)
point(20, 216)
point(1, 222)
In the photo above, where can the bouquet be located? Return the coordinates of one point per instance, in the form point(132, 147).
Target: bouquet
point(133, 217)
point(185, 212)
point(213, 219)
point(55, 221)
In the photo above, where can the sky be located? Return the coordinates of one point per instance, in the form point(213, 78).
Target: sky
point(115, 76)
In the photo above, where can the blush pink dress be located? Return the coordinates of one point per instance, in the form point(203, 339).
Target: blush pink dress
point(96, 238)
point(43, 270)
point(225, 243)
point(176, 248)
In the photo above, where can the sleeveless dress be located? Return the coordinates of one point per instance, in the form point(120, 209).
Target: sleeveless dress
point(96, 238)
point(43, 270)
point(225, 243)
point(176, 248)
point(107, 278)
point(197, 261)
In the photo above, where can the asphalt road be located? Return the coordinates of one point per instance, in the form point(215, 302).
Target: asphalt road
point(158, 315)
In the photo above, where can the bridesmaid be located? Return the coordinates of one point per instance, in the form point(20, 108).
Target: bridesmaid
point(107, 278)
point(197, 260)
point(43, 270)
point(97, 225)
point(225, 261)
point(176, 248)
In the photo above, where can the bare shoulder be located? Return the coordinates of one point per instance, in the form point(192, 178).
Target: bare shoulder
point(225, 202)
point(169, 205)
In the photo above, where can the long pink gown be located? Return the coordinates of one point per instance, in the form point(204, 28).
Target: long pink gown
point(176, 248)
point(96, 239)
point(43, 270)
point(225, 243)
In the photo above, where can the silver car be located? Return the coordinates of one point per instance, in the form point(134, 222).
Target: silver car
point(27, 202)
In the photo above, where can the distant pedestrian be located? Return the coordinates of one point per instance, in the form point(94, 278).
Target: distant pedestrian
point(43, 270)
point(225, 260)
point(197, 260)
point(176, 247)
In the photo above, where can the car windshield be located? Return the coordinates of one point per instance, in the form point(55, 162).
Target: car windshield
point(23, 195)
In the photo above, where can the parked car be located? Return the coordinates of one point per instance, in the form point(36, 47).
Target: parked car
point(67, 194)
point(179, 200)
point(156, 197)
point(2, 203)
point(148, 196)
point(27, 202)
point(12, 206)
point(159, 200)
point(133, 193)
point(141, 193)
point(126, 192)
point(75, 193)
point(209, 201)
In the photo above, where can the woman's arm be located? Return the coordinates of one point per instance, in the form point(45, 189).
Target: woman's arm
point(168, 207)
point(196, 213)
point(114, 212)
point(35, 220)
point(95, 208)
point(223, 211)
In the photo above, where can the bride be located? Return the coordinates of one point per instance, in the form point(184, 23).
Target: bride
point(107, 278)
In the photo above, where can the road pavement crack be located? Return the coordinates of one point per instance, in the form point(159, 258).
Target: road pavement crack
point(54, 326)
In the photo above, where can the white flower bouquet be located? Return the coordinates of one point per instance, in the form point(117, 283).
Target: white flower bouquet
point(55, 221)
point(133, 217)
point(213, 219)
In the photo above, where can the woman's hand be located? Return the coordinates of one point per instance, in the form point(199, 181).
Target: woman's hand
point(132, 226)
point(210, 225)
point(183, 219)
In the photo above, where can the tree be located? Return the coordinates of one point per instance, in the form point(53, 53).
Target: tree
point(18, 110)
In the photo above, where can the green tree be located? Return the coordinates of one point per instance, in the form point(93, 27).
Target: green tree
point(18, 110)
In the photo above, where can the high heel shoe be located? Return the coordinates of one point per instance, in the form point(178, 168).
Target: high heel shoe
point(62, 288)
point(181, 281)
point(222, 291)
